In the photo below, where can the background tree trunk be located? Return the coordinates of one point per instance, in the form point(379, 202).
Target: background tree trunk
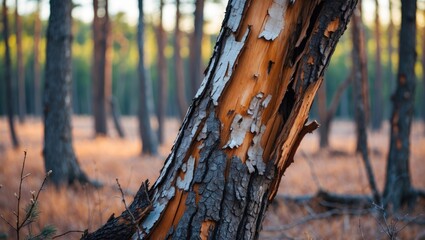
point(37, 74)
point(398, 188)
point(8, 77)
point(196, 48)
point(378, 109)
point(423, 62)
point(101, 75)
point(20, 66)
point(360, 75)
point(149, 144)
point(162, 75)
point(326, 114)
point(58, 151)
point(390, 47)
point(178, 65)
point(246, 121)
point(359, 79)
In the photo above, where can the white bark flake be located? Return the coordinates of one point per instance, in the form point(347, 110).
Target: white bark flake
point(275, 20)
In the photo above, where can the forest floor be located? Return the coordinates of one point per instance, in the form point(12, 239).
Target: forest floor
point(336, 170)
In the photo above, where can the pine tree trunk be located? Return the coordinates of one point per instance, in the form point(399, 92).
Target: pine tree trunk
point(149, 144)
point(398, 188)
point(162, 76)
point(37, 74)
point(378, 110)
point(20, 66)
point(178, 65)
point(423, 63)
point(58, 151)
point(390, 47)
point(8, 77)
point(245, 123)
point(359, 79)
point(196, 48)
point(101, 72)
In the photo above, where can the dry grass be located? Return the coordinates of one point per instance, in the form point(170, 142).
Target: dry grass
point(105, 159)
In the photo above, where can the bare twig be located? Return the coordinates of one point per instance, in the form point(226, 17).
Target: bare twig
point(133, 219)
point(312, 170)
point(66, 233)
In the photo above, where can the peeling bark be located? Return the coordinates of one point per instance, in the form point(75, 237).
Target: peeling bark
point(245, 123)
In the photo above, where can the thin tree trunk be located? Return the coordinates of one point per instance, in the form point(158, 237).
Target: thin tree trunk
point(327, 117)
point(20, 66)
point(8, 77)
point(398, 187)
point(423, 64)
point(359, 65)
point(116, 117)
point(162, 76)
point(37, 75)
point(378, 110)
point(390, 48)
point(245, 123)
point(178, 65)
point(149, 144)
point(58, 150)
point(196, 48)
point(101, 75)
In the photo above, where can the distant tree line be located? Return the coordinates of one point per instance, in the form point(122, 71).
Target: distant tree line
point(125, 60)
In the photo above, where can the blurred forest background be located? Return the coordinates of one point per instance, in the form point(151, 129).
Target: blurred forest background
point(124, 56)
point(171, 85)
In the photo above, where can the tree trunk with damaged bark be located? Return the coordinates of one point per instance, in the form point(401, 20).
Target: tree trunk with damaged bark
point(101, 69)
point(58, 151)
point(359, 79)
point(8, 77)
point(398, 187)
point(245, 122)
point(147, 135)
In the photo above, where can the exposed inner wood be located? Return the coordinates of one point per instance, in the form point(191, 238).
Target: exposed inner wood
point(246, 121)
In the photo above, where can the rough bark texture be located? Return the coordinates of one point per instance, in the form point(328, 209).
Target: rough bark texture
point(378, 103)
point(22, 109)
point(8, 77)
point(126, 224)
point(359, 99)
point(178, 65)
point(398, 188)
point(58, 151)
point(196, 48)
point(162, 75)
point(101, 72)
point(247, 119)
point(37, 74)
point(149, 144)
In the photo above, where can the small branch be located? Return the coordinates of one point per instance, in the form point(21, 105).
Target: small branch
point(66, 233)
point(8, 223)
point(128, 210)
